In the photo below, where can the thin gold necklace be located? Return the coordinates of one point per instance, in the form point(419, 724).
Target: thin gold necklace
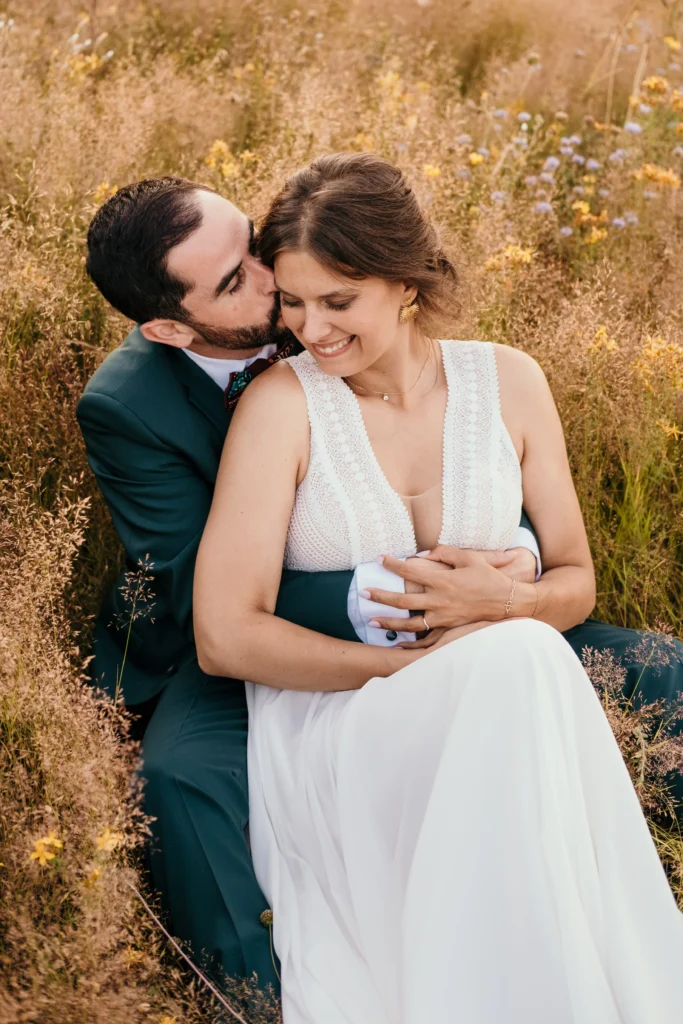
point(385, 394)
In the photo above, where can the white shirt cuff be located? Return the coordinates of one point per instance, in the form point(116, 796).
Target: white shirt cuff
point(361, 610)
point(524, 538)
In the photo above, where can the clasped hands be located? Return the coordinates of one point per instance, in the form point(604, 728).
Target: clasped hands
point(457, 589)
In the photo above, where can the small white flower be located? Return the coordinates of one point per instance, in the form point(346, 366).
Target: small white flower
point(483, 151)
point(464, 139)
point(578, 159)
point(677, 151)
point(644, 108)
point(649, 194)
point(617, 157)
point(463, 174)
point(631, 218)
point(531, 180)
point(674, 66)
point(603, 193)
point(592, 165)
point(574, 140)
point(578, 190)
point(524, 117)
point(630, 48)
point(547, 177)
point(618, 222)
point(633, 128)
point(498, 197)
point(566, 232)
point(566, 150)
point(551, 164)
point(500, 113)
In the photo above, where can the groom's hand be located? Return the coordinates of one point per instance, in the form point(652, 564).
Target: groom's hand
point(475, 586)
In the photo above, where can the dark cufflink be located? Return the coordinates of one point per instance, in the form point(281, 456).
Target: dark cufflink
point(391, 635)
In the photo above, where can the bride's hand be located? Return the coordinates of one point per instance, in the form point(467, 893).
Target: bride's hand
point(473, 589)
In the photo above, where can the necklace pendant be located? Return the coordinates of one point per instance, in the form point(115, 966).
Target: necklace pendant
point(385, 397)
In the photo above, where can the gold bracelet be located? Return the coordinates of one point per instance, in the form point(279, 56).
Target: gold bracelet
point(508, 605)
point(536, 605)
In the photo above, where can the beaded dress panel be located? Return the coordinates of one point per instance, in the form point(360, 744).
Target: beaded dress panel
point(346, 511)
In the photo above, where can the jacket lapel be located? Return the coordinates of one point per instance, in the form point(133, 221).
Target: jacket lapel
point(202, 391)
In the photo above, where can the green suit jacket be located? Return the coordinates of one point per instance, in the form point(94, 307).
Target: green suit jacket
point(154, 424)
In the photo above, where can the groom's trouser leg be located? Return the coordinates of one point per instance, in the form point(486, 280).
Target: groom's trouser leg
point(661, 679)
point(194, 756)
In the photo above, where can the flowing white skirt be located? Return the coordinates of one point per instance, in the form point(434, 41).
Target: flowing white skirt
point(460, 844)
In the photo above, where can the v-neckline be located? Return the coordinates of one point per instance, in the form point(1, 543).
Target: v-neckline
point(373, 457)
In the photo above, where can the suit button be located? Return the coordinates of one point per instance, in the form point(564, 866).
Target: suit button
point(391, 635)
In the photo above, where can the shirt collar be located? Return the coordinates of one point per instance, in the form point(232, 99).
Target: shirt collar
point(220, 369)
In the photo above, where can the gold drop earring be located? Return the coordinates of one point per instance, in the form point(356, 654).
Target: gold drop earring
point(408, 312)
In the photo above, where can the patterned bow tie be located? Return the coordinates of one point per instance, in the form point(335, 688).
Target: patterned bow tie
point(239, 380)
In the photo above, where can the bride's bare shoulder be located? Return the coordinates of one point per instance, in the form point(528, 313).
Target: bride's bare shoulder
point(274, 393)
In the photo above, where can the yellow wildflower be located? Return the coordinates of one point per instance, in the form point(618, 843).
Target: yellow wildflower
point(431, 171)
point(673, 43)
point(660, 359)
point(475, 159)
point(108, 841)
point(411, 122)
point(670, 429)
point(168, 1020)
point(219, 152)
point(602, 341)
point(133, 957)
point(423, 87)
point(93, 876)
point(581, 207)
point(589, 179)
point(229, 169)
point(511, 258)
point(80, 65)
point(656, 84)
point(247, 156)
point(676, 101)
point(661, 176)
point(679, 129)
point(103, 192)
point(596, 235)
point(44, 849)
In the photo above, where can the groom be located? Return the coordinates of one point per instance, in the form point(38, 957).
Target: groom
point(180, 261)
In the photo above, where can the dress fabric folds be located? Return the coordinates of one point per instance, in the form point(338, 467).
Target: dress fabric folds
point(459, 843)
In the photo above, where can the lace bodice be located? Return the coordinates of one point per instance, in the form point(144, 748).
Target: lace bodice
point(346, 512)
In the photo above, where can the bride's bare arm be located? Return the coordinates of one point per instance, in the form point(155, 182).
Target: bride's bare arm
point(240, 557)
point(566, 590)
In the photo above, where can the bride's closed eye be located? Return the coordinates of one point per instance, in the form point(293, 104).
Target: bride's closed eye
point(337, 306)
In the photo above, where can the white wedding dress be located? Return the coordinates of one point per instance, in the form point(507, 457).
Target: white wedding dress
point(459, 843)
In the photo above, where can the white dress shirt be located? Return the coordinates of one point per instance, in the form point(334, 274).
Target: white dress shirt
point(370, 574)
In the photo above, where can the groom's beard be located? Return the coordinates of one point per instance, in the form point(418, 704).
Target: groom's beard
point(240, 339)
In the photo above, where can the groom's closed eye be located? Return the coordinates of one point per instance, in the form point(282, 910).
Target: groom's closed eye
point(237, 273)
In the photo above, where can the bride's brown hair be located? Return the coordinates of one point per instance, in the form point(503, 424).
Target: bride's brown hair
point(358, 216)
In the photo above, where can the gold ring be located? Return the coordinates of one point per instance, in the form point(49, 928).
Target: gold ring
point(428, 628)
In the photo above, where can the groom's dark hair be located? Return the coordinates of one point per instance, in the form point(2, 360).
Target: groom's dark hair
point(128, 244)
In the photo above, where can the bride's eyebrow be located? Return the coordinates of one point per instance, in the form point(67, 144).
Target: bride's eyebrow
point(341, 293)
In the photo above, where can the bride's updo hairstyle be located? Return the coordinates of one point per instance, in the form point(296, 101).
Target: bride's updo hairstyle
point(357, 216)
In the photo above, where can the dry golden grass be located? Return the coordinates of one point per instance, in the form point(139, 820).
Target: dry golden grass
point(237, 95)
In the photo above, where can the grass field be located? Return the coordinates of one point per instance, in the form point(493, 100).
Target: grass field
point(547, 141)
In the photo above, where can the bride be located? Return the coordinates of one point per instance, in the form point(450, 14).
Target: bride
point(444, 833)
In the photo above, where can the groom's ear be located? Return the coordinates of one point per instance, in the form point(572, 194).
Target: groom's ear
point(168, 332)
